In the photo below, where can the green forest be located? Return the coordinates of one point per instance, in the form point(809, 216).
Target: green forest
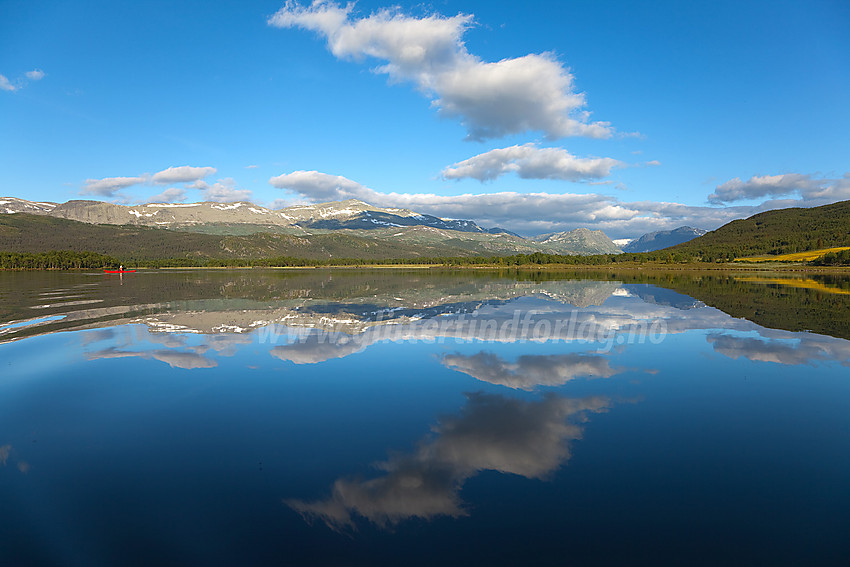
point(782, 231)
point(841, 258)
point(55, 260)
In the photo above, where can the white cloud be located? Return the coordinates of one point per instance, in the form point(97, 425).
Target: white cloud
point(11, 86)
point(199, 184)
point(35, 75)
point(318, 186)
point(171, 195)
point(182, 174)
point(491, 99)
point(531, 162)
point(109, 186)
point(511, 96)
point(811, 190)
point(225, 191)
point(7, 85)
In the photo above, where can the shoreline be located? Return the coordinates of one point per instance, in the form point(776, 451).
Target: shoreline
point(620, 267)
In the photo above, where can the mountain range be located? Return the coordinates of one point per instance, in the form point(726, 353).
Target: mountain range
point(349, 214)
point(351, 221)
point(356, 230)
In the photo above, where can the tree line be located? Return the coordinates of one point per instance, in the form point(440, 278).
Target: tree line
point(73, 260)
point(55, 260)
point(840, 258)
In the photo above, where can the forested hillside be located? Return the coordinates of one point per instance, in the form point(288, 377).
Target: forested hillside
point(774, 232)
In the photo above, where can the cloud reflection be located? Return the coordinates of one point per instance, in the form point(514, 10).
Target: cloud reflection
point(178, 352)
point(530, 371)
point(316, 348)
point(5, 452)
point(90, 337)
point(224, 344)
point(175, 359)
point(784, 348)
point(491, 432)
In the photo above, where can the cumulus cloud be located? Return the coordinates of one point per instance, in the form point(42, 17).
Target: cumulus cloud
point(531, 162)
point(530, 371)
point(318, 186)
point(225, 191)
point(491, 432)
point(171, 195)
point(182, 174)
point(810, 189)
point(109, 186)
point(491, 99)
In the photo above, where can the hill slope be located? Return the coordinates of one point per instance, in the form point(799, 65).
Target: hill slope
point(782, 231)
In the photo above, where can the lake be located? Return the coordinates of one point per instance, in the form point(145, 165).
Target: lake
point(424, 417)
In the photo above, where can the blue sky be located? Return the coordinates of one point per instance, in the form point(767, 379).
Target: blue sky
point(537, 116)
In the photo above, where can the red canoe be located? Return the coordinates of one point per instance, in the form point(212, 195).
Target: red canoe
point(119, 271)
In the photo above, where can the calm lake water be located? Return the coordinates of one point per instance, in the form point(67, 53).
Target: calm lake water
point(420, 417)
